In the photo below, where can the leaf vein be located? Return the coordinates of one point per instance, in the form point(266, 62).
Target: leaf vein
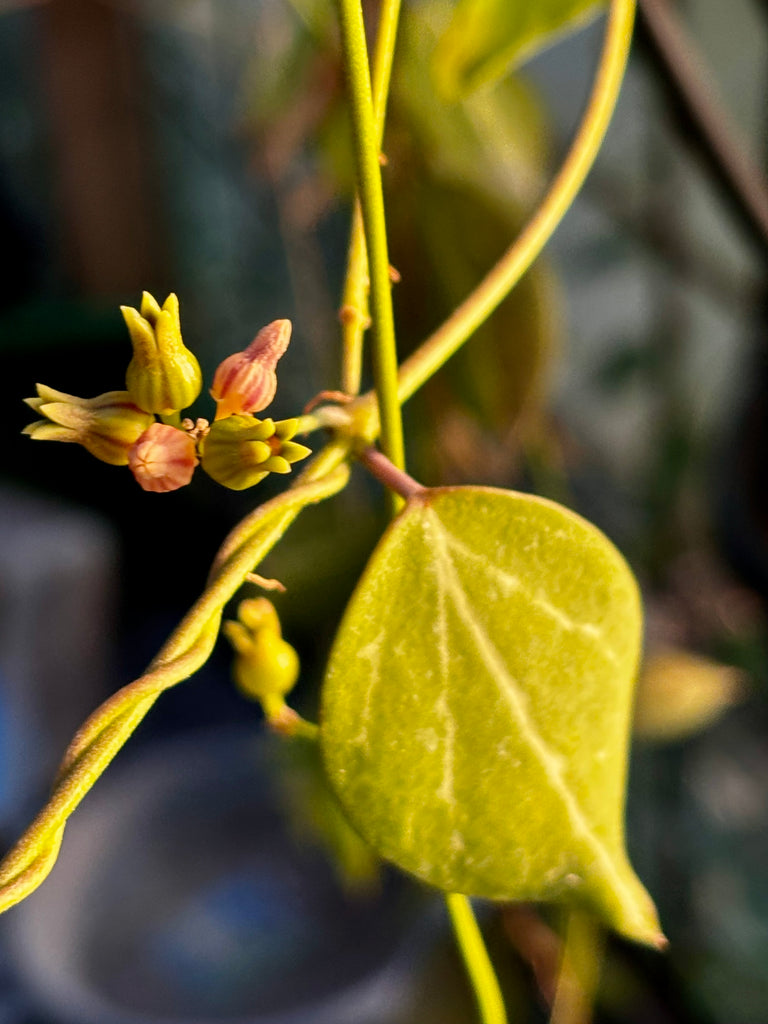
point(538, 599)
point(509, 688)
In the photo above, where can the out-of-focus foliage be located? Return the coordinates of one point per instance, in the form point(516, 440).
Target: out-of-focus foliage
point(461, 176)
point(680, 693)
point(315, 817)
point(487, 38)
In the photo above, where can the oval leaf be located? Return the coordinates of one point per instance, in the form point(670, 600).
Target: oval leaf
point(487, 38)
point(477, 702)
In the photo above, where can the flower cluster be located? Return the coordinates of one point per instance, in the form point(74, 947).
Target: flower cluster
point(164, 378)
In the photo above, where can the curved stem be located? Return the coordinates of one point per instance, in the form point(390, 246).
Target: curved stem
point(475, 309)
point(324, 463)
point(479, 967)
point(372, 205)
point(354, 309)
point(188, 647)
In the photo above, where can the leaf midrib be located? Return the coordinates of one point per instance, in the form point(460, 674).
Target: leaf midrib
point(549, 761)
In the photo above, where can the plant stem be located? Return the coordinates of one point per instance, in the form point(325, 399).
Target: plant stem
point(687, 73)
point(579, 971)
point(367, 132)
point(188, 647)
point(478, 306)
point(387, 473)
point(372, 204)
point(478, 964)
point(354, 308)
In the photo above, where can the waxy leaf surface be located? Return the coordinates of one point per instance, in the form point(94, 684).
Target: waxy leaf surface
point(477, 702)
point(485, 39)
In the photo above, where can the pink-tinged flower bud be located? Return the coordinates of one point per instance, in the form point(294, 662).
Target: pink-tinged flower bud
point(246, 381)
point(107, 426)
point(163, 458)
point(163, 377)
point(240, 450)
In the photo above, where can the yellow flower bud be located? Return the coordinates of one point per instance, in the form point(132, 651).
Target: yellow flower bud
point(163, 458)
point(241, 450)
point(266, 666)
point(164, 376)
point(107, 426)
point(246, 381)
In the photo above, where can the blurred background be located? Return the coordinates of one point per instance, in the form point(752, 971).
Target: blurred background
point(203, 148)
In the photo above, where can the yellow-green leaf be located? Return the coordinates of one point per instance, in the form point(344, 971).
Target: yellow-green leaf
point(477, 703)
point(487, 38)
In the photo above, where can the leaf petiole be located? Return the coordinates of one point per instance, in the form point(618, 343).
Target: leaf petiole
point(387, 473)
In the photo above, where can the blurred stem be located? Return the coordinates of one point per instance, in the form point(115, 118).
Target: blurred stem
point(692, 82)
point(579, 971)
point(479, 967)
point(475, 309)
point(354, 308)
point(368, 170)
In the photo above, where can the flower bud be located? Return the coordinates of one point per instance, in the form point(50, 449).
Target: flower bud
point(107, 426)
point(163, 458)
point(266, 666)
point(163, 377)
point(246, 381)
point(240, 450)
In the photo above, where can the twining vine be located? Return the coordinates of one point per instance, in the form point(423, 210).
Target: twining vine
point(143, 428)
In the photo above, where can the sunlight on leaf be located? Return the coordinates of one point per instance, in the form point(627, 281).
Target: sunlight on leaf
point(477, 702)
point(487, 38)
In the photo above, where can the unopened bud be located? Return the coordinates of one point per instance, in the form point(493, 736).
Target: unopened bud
point(163, 458)
point(246, 381)
point(266, 666)
point(164, 376)
point(240, 450)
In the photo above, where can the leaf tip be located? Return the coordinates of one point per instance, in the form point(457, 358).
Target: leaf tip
point(660, 942)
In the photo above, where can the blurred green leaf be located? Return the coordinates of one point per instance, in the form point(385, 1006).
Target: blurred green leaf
point(477, 701)
point(680, 693)
point(487, 38)
point(316, 818)
point(498, 140)
point(460, 177)
point(445, 236)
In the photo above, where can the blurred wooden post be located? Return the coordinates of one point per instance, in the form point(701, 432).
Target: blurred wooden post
point(90, 73)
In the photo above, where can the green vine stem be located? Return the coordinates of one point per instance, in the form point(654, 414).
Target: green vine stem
point(478, 306)
point(188, 647)
point(478, 964)
point(104, 733)
point(465, 320)
point(364, 130)
point(354, 308)
point(367, 135)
